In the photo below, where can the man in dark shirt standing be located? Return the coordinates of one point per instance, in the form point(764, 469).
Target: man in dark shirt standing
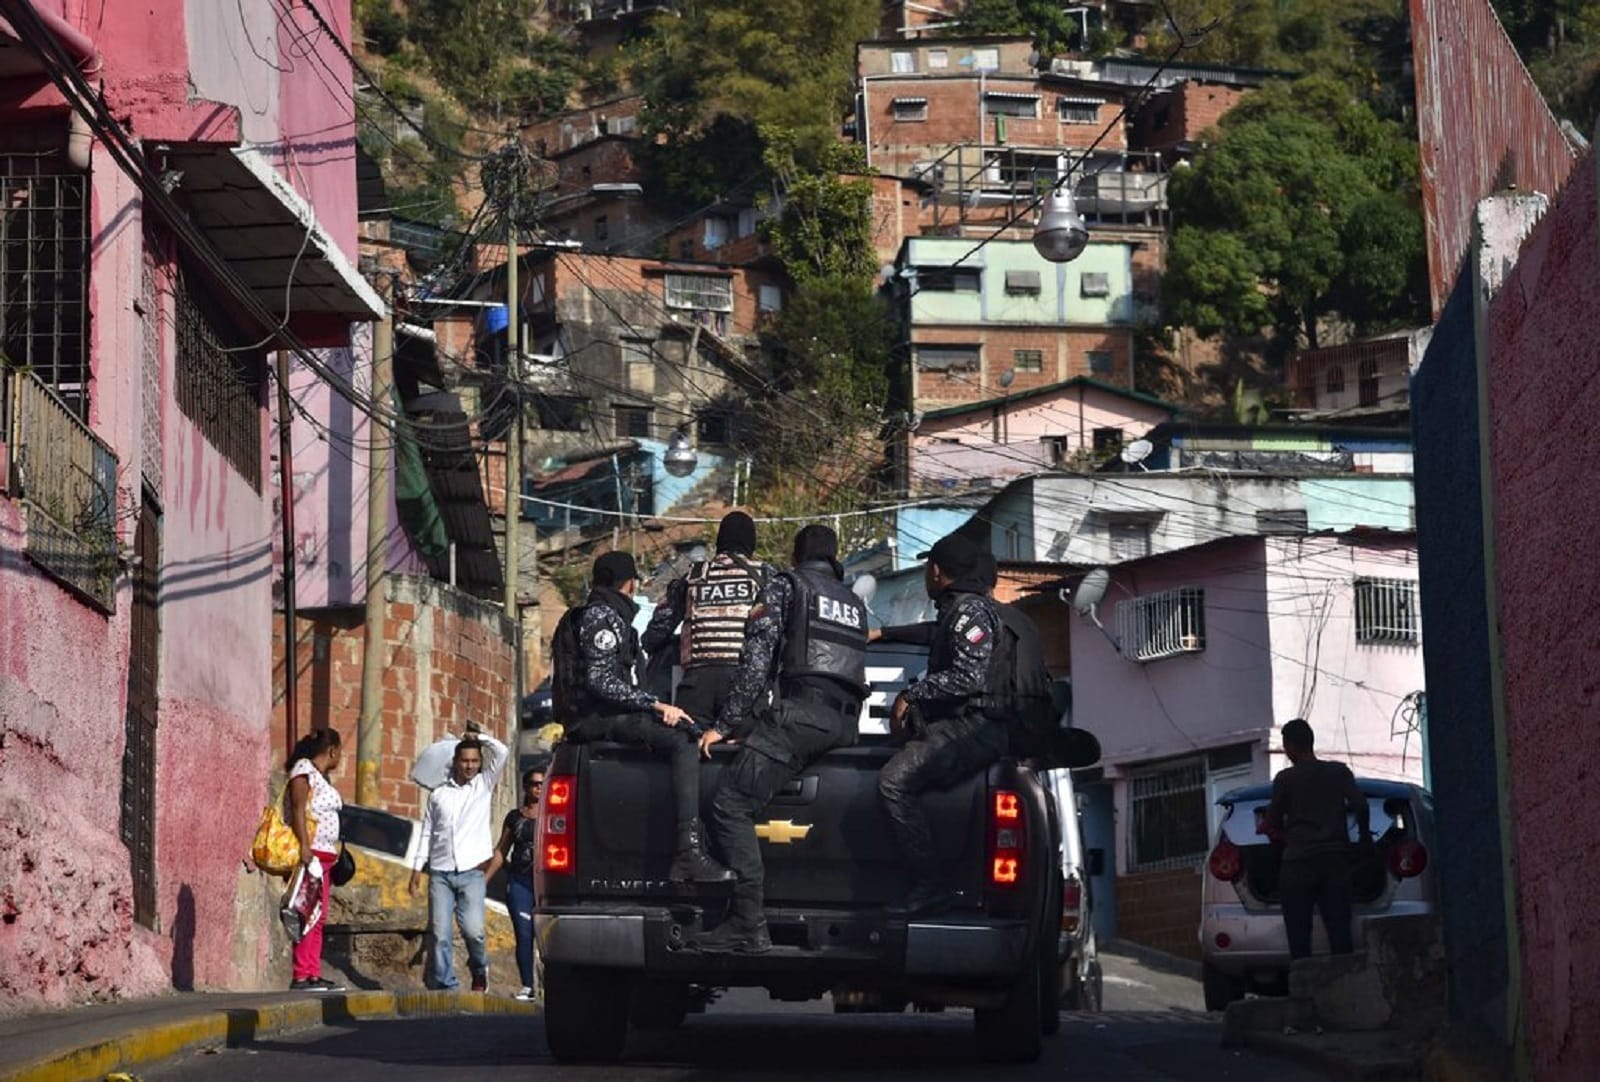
point(1309, 801)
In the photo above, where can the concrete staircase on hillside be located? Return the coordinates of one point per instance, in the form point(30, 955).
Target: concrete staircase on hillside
point(1371, 1015)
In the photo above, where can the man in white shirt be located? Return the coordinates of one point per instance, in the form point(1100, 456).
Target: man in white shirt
point(457, 846)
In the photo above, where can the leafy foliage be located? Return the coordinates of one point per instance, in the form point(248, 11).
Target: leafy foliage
point(1043, 20)
point(1304, 208)
point(727, 69)
point(825, 230)
point(1560, 41)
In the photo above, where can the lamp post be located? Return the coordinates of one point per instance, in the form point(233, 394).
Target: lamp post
point(680, 458)
point(1061, 234)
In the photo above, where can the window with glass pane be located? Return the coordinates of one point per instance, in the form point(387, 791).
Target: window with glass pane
point(1019, 105)
point(1027, 360)
point(701, 292)
point(633, 422)
point(947, 280)
point(1101, 362)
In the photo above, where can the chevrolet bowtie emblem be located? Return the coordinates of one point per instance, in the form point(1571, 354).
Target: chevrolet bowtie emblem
point(782, 831)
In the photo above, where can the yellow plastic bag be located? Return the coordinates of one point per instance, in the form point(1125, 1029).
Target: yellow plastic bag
point(276, 849)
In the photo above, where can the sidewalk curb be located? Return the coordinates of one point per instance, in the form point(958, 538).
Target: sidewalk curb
point(241, 1025)
point(1156, 959)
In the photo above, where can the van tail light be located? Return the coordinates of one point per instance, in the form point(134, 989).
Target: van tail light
point(1227, 862)
point(1408, 859)
point(1071, 904)
point(1008, 839)
point(558, 826)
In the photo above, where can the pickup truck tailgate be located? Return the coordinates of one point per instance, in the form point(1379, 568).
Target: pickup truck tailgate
point(827, 839)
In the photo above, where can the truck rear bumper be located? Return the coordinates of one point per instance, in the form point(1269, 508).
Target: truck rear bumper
point(973, 950)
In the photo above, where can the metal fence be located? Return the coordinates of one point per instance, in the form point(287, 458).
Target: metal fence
point(66, 476)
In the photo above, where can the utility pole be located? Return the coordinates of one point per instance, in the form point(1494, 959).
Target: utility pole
point(369, 734)
point(514, 462)
point(514, 436)
point(291, 633)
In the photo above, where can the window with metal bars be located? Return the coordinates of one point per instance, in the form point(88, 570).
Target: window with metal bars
point(1163, 625)
point(44, 276)
point(1386, 611)
point(703, 292)
point(219, 381)
point(1169, 817)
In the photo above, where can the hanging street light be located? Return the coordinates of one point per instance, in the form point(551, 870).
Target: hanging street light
point(1061, 235)
point(680, 458)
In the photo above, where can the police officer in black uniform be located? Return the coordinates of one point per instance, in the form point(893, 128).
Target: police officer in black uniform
point(712, 602)
point(612, 706)
point(950, 736)
point(809, 631)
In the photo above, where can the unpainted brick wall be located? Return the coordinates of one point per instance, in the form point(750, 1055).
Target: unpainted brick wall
point(448, 660)
point(1161, 910)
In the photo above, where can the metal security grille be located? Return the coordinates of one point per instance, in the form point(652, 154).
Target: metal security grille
point(219, 384)
point(139, 751)
point(1169, 817)
point(67, 476)
point(44, 275)
point(701, 292)
point(1163, 625)
point(150, 442)
point(1386, 611)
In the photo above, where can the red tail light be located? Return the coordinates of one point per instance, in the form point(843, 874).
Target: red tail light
point(1227, 862)
point(1008, 839)
point(1071, 903)
point(1408, 859)
point(558, 830)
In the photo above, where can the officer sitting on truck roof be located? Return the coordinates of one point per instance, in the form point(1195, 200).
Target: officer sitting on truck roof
point(951, 738)
point(712, 602)
point(815, 629)
point(597, 696)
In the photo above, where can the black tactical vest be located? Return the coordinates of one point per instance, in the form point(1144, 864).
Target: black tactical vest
point(718, 596)
point(586, 701)
point(827, 633)
point(942, 651)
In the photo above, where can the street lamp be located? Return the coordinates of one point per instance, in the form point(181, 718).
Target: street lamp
point(1061, 234)
point(680, 458)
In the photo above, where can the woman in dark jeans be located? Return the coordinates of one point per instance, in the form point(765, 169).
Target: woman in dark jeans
point(518, 840)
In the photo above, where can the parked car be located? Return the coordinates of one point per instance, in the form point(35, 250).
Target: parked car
point(1243, 944)
point(1077, 950)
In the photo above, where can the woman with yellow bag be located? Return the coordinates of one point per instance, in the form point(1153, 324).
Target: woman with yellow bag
point(311, 792)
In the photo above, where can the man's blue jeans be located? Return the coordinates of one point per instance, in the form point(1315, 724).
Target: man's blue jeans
point(460, 894)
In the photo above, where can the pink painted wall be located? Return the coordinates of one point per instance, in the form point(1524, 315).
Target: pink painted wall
point(331, 457)
point(66, 915)
point(1222, 695)
point(1007, 442)
point(1544, 395)
point(1350, 692)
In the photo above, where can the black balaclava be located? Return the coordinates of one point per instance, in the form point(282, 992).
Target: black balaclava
point(737, 534)
point(817, 543)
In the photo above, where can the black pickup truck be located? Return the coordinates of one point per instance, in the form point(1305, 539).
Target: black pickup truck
point(613, 930)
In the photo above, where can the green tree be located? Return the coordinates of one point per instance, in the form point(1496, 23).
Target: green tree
point(1303, 208)
point(825, 229)
point(725, 69)
point(1042, 20)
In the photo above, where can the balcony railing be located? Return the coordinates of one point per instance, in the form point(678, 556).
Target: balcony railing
point(66, 477)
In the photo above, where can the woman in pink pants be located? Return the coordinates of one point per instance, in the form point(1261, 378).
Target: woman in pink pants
point(309, 789)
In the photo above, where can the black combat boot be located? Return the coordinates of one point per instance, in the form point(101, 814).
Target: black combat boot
point(744, 932)
point(691, 864)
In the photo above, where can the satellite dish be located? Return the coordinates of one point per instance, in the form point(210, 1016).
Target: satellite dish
point(1137, 451)
point(1091, 591)
point(1008, 377)
point(865, 587)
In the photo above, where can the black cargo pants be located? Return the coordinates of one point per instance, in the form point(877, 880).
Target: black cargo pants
point(944, 753)
point(1319, 882)
point(643, 729)
point(790, 737)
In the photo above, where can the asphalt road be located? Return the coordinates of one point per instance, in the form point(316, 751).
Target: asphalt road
point(1151, 1031)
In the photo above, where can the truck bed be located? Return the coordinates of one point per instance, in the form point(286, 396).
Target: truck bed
point(829, 843)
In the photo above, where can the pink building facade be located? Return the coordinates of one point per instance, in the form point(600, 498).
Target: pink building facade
point(136, 495)
point(1062, 424)
point(1216, 647)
